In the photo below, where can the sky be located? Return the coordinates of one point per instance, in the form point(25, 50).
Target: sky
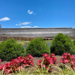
point(37, 13)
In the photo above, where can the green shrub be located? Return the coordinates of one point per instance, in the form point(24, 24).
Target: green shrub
point(68, 39)
point(60, 44)
point(10, 49)
point(74, 42)
point(37, 47)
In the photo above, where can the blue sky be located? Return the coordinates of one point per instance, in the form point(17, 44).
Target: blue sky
point(37, 13)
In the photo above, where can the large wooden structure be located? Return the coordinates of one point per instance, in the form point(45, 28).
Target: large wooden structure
point(30, 33)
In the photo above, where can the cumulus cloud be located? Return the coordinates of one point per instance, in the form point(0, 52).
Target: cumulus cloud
point(5, 19)
point(25, 23)
point(35, 26)
point(30, 12)
point(29, 27)
point(26, 27)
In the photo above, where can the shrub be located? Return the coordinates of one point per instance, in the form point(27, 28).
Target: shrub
point(60, 44)
point(74, 42)
point(73, 48)
point(68, 39)
point(10, 49)
point(37, 47)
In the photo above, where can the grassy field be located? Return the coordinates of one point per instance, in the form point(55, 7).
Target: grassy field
point(21, 42)
point(48, 40)
point(25, 42)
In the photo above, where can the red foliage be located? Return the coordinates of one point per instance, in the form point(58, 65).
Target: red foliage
point(48, 60)
point(17, 64)
point(68, 58)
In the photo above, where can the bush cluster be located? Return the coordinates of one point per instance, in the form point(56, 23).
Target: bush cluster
point(60, 44)
point(10, 49)
point(37, 47)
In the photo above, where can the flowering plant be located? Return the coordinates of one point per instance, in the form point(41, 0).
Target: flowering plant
point(17, 64)
point(68, 58)
point(48, 60)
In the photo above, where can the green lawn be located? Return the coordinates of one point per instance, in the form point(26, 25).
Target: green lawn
point(48, 40)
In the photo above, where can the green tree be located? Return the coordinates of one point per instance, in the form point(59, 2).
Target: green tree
point(37, 47)
point(10, 49)
point(60, 44)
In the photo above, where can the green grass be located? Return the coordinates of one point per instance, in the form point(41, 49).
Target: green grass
point(22, 42)
point(48, 41)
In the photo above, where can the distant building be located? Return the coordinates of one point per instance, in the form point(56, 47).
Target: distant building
point(30, 33)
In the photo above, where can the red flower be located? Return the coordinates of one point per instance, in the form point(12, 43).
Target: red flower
point(45, 55)
point(66, 61)
point(0, 60)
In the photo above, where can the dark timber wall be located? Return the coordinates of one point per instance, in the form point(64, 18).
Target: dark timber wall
point(29, 33)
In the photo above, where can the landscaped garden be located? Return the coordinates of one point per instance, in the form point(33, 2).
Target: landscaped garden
point(38, 58)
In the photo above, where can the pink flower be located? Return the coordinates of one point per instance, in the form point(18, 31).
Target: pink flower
point(1, 67)
point(66, 61)
point(71, 56)
point(65, 54)
point(72, 62)
point(39, 62)
point(54, 58)
point(50, 70)
point(25, 61)
point(64, 57)
point(19, 57)
point(74, 68)
point(52, 54)
point(45, 55)
point(43, 66)
point(50, 61)
point(0, 60)
point(32, 64)
point(61, 61)
point(68, 54)
point(27, 58)
point(48, 58)
point(30, 56)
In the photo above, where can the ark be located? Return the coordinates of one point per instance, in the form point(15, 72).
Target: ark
point(30, 33)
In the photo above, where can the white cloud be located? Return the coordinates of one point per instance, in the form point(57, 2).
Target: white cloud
point(26, 27)
point(29, 27)
point(5, 19)
point(25, 23)
point(16, 24)
point(30, 12)
point(35, 26)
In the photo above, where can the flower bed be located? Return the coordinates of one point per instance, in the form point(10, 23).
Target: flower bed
point(17, 65)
